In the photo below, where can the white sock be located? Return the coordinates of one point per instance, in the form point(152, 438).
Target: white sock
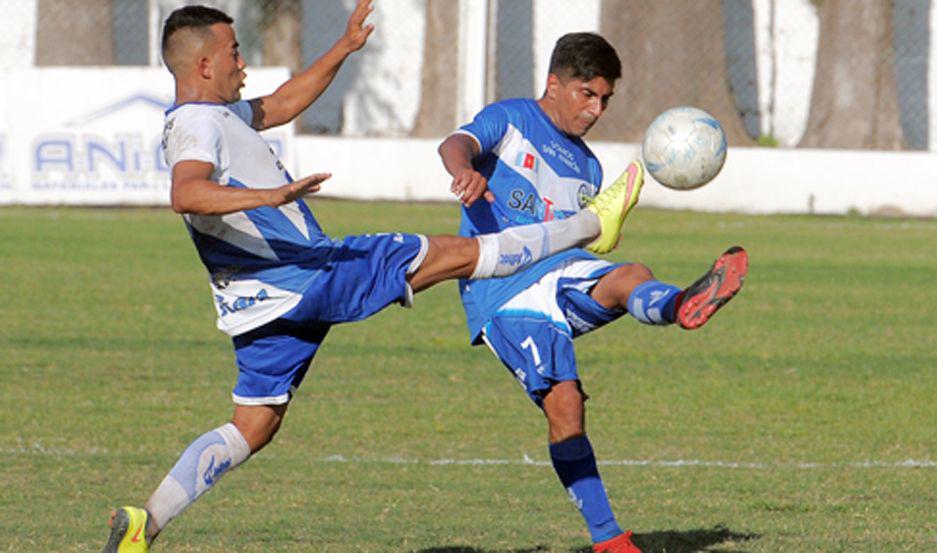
point(198, 468)
point(506, 252)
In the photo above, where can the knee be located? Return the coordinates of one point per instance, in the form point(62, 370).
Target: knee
point(614, 289)
point(633, 274)
point(564, 408)
point(258, 424)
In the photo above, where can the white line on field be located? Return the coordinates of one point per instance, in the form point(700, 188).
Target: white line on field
point(37, 448)
point(527, 460)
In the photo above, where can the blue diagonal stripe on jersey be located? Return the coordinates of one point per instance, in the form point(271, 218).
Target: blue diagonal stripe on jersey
point(281, 234)
point(218, 255)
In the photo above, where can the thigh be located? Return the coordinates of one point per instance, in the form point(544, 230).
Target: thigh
point(582, 312)
point(364, 275)
point(273, 360)
point(536, 351)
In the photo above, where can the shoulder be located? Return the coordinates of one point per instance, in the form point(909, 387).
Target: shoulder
point(219, 113)
point(513, 108)
point(194, 117)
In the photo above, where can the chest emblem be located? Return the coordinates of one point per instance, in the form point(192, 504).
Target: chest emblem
point(527, 161)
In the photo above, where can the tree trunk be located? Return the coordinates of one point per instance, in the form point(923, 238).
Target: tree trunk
point(74, 32)
point(855, 99)
point(672, 54)
point(280, 27)
point(439, 90)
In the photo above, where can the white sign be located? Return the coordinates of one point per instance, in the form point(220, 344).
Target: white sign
point(91, 136)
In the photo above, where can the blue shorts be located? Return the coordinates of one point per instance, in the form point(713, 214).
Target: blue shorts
point(364, 275)
point(532, 334)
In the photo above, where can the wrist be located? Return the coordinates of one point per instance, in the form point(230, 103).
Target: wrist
point(343, 47)
point(269, 197)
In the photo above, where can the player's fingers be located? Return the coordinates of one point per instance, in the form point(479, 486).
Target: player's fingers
point(473, 192)
point(362, 8)
point(315, 179)
point(459, 184)
point(322, 177)
point(361, 13)
point(489, 196)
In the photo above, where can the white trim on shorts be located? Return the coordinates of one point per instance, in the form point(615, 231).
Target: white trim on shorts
point(269, 400)
point(407, 300)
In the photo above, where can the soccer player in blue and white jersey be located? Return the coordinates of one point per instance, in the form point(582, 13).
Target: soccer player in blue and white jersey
point(278, 282)
point(528, 161)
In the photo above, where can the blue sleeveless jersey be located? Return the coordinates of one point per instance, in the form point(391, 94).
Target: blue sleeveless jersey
point(536, 173)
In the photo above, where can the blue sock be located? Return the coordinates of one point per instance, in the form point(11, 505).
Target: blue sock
point(574, 463)
point(653, 302)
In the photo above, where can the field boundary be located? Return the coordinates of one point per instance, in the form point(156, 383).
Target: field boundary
point(38, 449)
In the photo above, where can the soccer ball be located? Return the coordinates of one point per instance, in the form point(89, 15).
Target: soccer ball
point(684, 148)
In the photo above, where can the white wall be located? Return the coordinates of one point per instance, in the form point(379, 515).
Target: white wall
point(17, 33)
point(754, 180)
point(96, 138)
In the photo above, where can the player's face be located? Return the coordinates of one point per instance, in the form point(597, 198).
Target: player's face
point(228, 66)
point(578, 104)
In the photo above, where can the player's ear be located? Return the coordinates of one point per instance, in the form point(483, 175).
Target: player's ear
point(553, 83)
point(204, 67)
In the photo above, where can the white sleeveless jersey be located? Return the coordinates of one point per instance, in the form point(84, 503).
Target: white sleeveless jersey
point(260, 260)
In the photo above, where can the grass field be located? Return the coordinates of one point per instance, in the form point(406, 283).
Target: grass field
point(803, 419)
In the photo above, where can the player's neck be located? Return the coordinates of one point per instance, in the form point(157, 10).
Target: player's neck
point(187, 93)
point(549, 109)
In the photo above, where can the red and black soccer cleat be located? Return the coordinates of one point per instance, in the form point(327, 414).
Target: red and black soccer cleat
point(705, 296)
point(619, 544)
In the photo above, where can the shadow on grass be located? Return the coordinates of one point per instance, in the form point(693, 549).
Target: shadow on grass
point(460, 549)
point(686, 541)
point(669, 541)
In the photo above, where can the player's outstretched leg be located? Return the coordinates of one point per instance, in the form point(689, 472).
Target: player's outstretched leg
point(613, 205)
point(720, 283)
point(514, 248)
point(128, 531)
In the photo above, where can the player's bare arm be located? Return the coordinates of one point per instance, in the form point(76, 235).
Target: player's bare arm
point(298, 93)
point(194, 192)
point(457, 152)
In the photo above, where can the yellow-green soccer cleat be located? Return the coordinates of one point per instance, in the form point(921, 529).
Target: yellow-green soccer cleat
point(613, 204)
point(128, 531)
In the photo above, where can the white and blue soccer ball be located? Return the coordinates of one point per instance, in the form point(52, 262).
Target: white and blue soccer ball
point(684, 148)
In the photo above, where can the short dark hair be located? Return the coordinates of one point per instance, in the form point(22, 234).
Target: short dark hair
point(585, 56)
point(197, 17)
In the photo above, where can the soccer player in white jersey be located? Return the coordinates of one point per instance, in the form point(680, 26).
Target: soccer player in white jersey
point(278, 282)
point(527, 160)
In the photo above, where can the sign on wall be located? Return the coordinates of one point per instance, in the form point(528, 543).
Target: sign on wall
point(91, 136)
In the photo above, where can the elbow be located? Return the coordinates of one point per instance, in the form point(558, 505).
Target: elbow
point(444, 147)
point(177, 205)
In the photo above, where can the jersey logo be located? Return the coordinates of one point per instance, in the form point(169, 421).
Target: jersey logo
point(527, 202)
point(547, 209)
point(527, 161)
point(584, 195)
point(240, 303)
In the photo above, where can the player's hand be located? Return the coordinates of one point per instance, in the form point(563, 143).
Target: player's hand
point(297, 189)
point(469, 185)
point(357, 33)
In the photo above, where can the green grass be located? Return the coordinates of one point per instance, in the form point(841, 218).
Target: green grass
point(111, 364)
